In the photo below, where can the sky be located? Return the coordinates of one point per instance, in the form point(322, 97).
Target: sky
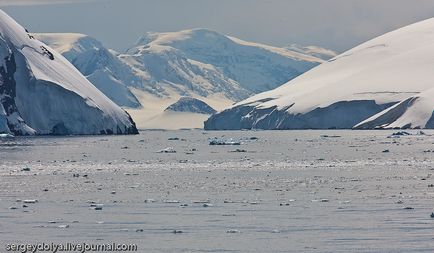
point(334, 24)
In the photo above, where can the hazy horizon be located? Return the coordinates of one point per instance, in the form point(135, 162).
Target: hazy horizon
point(331, 24)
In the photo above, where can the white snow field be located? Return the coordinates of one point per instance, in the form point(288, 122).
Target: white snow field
point(278, 191)
point(199, 63)
point(99, 64)
point(254, 67)
point(347, 89)
point(414, 112)
point(322, 53)
point(42, 93)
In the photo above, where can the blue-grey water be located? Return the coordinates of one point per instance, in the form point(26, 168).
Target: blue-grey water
point(278, 191)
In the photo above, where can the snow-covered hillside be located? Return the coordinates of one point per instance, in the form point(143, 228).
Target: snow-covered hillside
point(414, 112)
point(346, 90)
point(164, 67)
point(100, 65)
point(255, 67)
point(166, 71)
point(42, 93)
point(320, 52)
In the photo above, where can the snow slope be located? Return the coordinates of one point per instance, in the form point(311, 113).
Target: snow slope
point(414, 112)
point(164, 70)
point(42, 93)
point(164, 67)
point(254, 66)
point(346, 90)
point(100, 65)
point(320, 52)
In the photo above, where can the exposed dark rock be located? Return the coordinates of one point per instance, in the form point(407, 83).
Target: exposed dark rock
point(8, 94)
point(188, 104)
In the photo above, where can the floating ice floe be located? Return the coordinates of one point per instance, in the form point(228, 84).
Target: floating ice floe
point(201, 201)
point(232, 231)
point(167, 150)
point(171, 201)
point(331, 136)
point(401, 133)
point(30, 201)
point(405, 133)
point(96, 207)
point(238, 151)
point(218, 142)
point(7, 136)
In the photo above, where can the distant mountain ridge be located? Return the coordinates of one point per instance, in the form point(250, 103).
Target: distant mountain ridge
point(255, 67)
point(198, 63)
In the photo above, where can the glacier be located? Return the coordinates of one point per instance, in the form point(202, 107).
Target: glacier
point(416, 112)
point(161, 68)
point(348, 89)
point(255, 67)
point(100, 65)
point(197, 62)
point(42, 93)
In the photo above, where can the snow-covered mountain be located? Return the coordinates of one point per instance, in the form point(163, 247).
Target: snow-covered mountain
point(42, 93)
point(166, 71)
point(163, 67)
point(100, 65)
point(255, 67)
point(349, 88)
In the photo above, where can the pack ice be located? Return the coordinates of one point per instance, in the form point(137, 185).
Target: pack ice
point(383, 83)
point(42, 93)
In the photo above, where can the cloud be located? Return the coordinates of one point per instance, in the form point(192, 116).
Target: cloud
point(38, 2)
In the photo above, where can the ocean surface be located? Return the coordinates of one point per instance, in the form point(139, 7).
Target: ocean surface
point(171, 191)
